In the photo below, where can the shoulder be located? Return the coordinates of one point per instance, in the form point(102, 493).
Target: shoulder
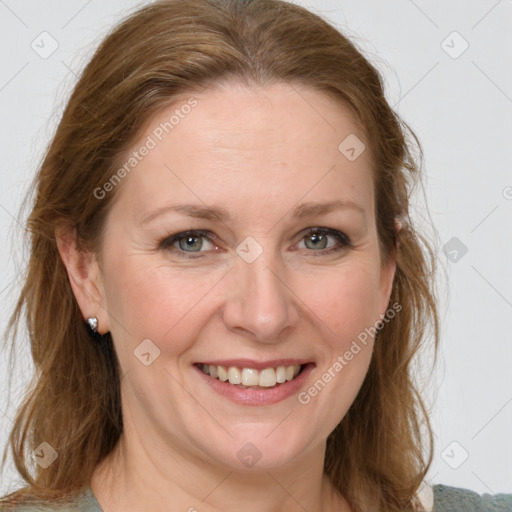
point(84, 502)
point(457, 499)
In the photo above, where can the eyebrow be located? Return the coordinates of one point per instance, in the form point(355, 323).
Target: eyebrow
point(220, 214)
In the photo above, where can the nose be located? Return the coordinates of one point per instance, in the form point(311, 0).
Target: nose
point(260, 302)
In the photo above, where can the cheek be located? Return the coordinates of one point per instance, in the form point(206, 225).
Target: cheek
point(346, 305)
point(153, 301)
point(345, 300)
point(148, 300)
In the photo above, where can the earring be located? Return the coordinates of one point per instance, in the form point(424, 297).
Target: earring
point(93, 323)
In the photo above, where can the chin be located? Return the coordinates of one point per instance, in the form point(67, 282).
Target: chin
point(261, 448)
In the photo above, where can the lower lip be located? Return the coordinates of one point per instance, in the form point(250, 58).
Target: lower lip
point(258, 396)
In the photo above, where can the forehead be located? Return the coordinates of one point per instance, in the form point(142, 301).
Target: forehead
point(241, 144)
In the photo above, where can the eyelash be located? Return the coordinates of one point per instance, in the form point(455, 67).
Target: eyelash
point(343, 241)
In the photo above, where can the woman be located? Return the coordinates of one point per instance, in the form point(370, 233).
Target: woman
point(225, 289)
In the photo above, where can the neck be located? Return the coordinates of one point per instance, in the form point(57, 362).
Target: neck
point(138, 476)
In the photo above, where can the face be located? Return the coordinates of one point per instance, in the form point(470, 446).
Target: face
point(243, 239)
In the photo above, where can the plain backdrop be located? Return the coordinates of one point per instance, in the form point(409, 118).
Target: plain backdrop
point(447, 70)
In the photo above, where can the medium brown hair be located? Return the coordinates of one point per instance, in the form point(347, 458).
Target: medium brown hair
point(376, 455)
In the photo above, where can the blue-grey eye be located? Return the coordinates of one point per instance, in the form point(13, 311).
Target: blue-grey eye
point(188, 242)
point(318, 241)
point(192, 243)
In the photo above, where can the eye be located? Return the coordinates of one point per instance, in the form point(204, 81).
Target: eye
point(317, 242)
point(188, 242)
point(317, 239)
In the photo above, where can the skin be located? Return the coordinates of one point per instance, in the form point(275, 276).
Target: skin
point(180, 441)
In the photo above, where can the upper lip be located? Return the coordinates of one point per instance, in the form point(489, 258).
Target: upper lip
point(257, 365)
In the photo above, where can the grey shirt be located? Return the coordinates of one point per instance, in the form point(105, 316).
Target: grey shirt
point(442, 499)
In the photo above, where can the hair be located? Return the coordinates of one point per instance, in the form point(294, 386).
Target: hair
point(376, 455)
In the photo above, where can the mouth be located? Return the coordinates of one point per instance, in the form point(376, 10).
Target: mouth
point(248, 377)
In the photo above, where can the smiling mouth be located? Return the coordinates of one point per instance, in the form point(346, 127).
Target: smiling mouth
point(252, 378)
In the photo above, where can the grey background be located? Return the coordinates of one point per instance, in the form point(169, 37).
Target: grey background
point(458, 103)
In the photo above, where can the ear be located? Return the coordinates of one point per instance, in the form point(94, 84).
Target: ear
point(388, 270)
point(84, 276)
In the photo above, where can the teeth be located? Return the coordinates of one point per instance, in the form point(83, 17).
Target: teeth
point(281, 374)
point(214, 372)
point(234, 375)
point(268, 378)
point(223, 373)
point(247, 377)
